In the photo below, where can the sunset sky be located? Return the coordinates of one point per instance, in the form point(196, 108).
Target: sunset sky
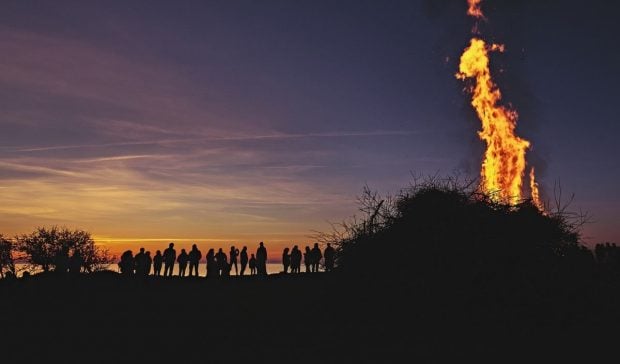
point(234, 122)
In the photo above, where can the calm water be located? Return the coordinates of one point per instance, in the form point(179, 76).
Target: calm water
point(272, 268)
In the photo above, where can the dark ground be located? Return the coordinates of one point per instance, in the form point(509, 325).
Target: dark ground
point(317, 318)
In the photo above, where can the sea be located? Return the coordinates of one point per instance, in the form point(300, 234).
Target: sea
point(272, 268)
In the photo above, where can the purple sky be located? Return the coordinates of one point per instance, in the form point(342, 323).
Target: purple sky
point(145, 121)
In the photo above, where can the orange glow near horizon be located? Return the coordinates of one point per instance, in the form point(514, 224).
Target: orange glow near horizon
point(123, 209)
point(274, 247)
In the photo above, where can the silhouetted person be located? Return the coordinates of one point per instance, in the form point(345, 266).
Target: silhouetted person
point(252, 265)
point(170, 256)
point(221, 261)
point(316, 257)
point(330, 257)
point(295, 259)
point(61, 261)
point(286, 260)
point(148, 262)
point(140, 262)
point(243, 258)
point(308, 259)
point(194, 259)
point(75, 262)
point(182, 259)
point(211, 264)
point(126, 264)
point(261, 259)
point(226, 269)
point(598, 252)
point(158, 259)
point(234, 252)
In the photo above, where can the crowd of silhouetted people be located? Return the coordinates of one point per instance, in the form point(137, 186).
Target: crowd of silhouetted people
point(220, 264)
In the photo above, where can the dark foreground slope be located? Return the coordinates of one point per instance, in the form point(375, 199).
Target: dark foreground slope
point(306, 318)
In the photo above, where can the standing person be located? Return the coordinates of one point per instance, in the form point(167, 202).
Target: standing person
point(127, 263)
point(139, 262)
point(194, 259)
point(211, 264)
point(244, 258)
point(316, 257)
point(75, 262)
point(286, 260)
point(234, 252)
point(158, 259)
point(221, 261)
point(330, 257)
point(182, 259)
point(261, 259)
point(252, 265)
point(61, 261)
point(148, 262)
point(295, 259)
point(170, 256)
point(308, 259)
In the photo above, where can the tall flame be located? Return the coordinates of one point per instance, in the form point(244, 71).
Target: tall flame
point(504, 163)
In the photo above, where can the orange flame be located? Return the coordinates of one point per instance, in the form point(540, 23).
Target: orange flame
point(534, 191)
point(474, 8)
point(504, 163)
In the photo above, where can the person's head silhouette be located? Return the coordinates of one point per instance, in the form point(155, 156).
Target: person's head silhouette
point(158, 252)
point(141, 250)
point(261, 244)
point(194, 247)
point(171, 245)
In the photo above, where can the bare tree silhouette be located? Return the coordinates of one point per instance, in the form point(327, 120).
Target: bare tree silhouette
point(42, 248)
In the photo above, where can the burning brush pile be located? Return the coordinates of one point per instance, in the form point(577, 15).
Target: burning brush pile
point(488, 228)
point(448, 229)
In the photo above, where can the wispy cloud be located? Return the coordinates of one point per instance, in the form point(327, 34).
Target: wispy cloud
point(274, 136)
